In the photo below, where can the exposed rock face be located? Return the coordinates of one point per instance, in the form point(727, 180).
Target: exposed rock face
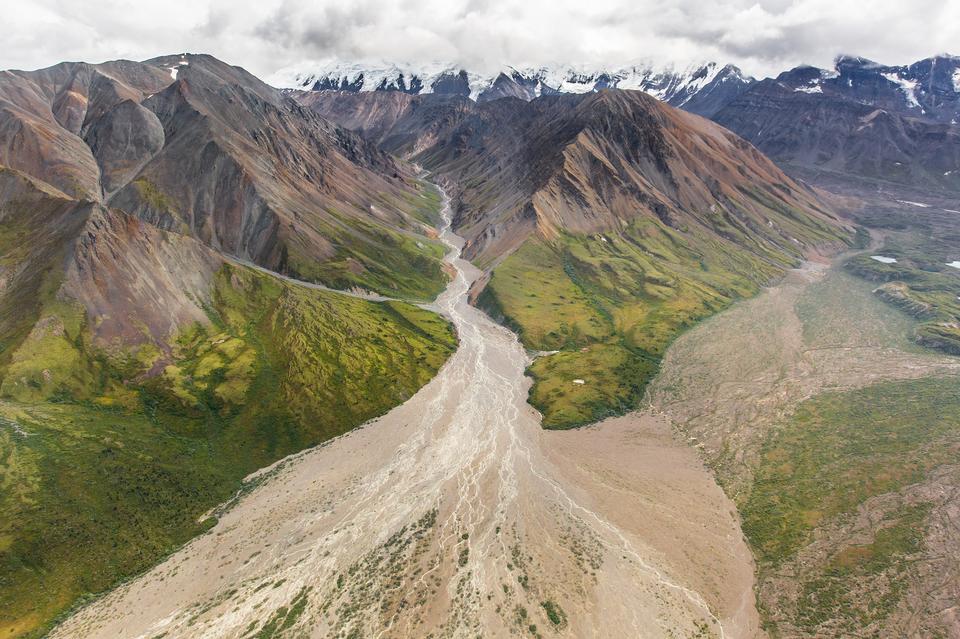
point(136, 279)
point(591, 162)
point(123, 140)
point(196, 146)
point(127, 180)
point(400, 123)
point(928, 88)
point(862, 118)
point(248, 171)
point(139, 283)
point(44, 115)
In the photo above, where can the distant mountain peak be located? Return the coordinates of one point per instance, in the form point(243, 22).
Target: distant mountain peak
point(698, 87)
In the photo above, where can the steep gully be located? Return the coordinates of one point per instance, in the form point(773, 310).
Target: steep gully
point(456, 514)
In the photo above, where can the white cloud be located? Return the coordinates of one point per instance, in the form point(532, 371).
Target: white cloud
point(762, 36)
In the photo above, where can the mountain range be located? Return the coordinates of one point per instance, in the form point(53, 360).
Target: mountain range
point(860, 118)
point(699, 88)
point(202, 273)
point(615, 204)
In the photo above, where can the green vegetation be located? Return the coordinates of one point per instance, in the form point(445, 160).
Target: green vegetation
point(828, 598)
point(284, 618)
point(612, 304)
point(373, 257)
point(920, 283)
point(555, 613)
point(99, 457)
point(376, 257)
point(841, 448)
point(424, 204)
point(160, 204)
point(32, 248)
point(838, 450)
point(382, 579)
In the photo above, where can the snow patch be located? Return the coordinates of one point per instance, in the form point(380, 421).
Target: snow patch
point(176, 68)
point(955, 264)
point(956, 80)
point(372, 76)
point(907, 86)
point(579, 382)
point(884, 259)
point(920, 204)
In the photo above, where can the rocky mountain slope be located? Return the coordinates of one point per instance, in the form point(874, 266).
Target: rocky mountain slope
point(193, 145)
point(145, 369)
point(608, 222)
point(700, 88)
point(896, 124)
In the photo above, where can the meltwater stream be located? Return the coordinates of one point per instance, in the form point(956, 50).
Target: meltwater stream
point(444, 518)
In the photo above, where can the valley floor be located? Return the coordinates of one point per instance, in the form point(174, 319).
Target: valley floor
point(457, 515)
point(836, 436)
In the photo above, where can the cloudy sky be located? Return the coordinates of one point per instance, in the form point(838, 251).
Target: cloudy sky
point(762, 36)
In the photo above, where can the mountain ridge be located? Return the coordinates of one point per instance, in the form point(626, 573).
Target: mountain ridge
point(701, 87)
point(892, 123)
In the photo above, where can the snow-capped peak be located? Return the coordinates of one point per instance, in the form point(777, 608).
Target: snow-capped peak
point(678, 86)
point(372, 76)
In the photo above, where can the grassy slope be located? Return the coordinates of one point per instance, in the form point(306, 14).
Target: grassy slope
point(377, 258)
point(366, 254)
point(612, 303)
point(395, 264)
point(125, 470)
point(33, 234)
point(834, 453)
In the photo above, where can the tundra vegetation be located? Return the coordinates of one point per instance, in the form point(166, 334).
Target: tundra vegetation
point(106, 469)
point(612, 303)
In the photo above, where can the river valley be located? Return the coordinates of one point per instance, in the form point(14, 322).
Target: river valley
point(456, 515)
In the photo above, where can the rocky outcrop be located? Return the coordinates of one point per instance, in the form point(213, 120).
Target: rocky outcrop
point(898, 294)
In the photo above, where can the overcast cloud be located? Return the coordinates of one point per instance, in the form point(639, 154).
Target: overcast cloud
point(762, 37)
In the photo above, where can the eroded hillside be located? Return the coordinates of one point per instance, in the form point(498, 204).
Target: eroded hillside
point(145, 369)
